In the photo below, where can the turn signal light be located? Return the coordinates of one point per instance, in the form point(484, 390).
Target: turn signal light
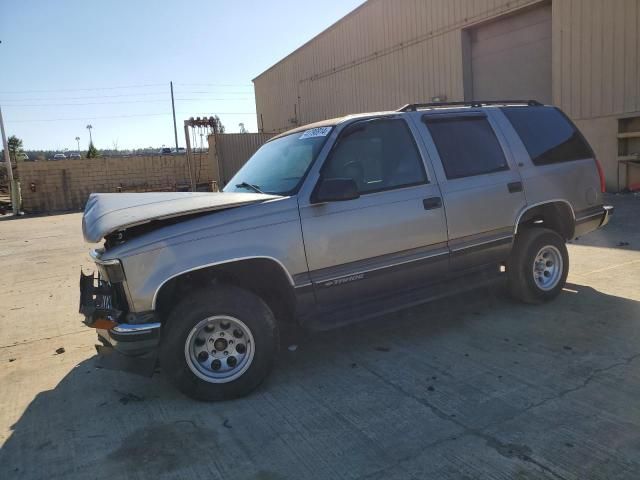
point(103, 324)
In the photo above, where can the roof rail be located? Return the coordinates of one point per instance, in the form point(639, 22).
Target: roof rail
point(412, 107)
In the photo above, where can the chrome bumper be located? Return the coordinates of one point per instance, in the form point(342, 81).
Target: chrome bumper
point(133, 330)
point(592, 219)
point(608, 211)
point(132, 339)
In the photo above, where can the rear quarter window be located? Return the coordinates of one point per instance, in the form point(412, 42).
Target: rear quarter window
point(548, 135)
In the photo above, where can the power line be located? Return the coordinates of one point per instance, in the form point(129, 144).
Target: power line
point(89, 97)
point(16, 92)
point(81, 104)
point(247, 85)
point(129, 116)
point(84, 97)
point(216, 93)
point(211, 98)
point(84, 89)
point(118, 103)
point(89, 118)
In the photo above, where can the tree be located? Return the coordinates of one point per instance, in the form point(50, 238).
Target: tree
point(92, 152)
point(15, 147)
point(218, 126)
point(242, 128)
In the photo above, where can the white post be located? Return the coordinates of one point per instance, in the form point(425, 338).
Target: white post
point(13, 188)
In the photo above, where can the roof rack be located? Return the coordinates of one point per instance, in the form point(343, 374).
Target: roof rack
point(412, 107)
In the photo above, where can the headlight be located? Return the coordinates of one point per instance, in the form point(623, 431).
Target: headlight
point(111, 270)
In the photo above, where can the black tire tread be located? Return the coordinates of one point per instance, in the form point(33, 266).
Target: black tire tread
point(527, 243)
point(218, 299)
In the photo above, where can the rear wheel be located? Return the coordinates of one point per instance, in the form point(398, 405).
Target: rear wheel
point(538, 266)
point(219, 344)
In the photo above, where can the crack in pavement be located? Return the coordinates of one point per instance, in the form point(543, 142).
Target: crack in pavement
point(563, 393)
point(35, 340)
point(507, 450)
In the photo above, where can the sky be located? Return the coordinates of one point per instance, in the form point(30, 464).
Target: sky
point(68, 63)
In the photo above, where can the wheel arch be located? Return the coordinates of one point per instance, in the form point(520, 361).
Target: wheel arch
point(557, 215)
point(265, 276)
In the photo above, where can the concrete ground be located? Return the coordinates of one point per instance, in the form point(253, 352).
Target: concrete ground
point(474, 386)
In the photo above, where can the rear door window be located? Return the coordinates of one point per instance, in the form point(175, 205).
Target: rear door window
point(548, 135)
point(467, 145)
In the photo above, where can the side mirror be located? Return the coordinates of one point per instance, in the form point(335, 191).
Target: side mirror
point(335, 190)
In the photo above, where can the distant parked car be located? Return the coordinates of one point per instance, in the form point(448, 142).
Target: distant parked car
point(74, 155)
point(59, 156)
point(23, 156)
point(165, 151)
point(179, 151)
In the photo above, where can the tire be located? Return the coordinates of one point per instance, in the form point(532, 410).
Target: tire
point(538, 267)
point(193, 329)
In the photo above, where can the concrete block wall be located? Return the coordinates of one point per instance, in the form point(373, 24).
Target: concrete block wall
point(64, 185)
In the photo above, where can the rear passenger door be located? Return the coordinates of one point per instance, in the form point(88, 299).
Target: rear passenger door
point(480, 184)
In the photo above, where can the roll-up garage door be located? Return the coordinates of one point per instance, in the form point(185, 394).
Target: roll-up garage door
point(511, 57)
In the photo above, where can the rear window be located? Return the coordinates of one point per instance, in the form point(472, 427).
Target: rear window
point(548, 135)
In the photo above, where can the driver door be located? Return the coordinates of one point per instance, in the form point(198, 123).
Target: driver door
point(393, 236)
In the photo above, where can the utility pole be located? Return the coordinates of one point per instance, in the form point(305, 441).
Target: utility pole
point(13, 185)
point(173, 109)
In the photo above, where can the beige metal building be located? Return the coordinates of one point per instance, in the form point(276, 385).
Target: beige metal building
point(582, 55)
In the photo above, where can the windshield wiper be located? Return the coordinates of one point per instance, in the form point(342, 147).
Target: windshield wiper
point(249, 186)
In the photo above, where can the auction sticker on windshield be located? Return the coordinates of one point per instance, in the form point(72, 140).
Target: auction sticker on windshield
point(315, 132)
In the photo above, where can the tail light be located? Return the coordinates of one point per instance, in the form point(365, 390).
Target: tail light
point(601, 174)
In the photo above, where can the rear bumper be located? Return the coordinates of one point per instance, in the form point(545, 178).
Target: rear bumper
point(592, 219)
point(608, 211)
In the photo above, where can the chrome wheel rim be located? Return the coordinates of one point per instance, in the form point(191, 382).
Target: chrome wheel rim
point(219, 349)
point(547, 267)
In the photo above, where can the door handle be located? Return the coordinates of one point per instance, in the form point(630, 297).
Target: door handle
point(432, 203)
point(514, 187)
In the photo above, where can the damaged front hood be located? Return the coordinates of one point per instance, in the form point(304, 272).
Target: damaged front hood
point(106, 213)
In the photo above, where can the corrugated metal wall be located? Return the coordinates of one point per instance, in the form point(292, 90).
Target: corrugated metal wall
point(229, 151)
point(384, 54)
point(390, 52)
point(596, 64)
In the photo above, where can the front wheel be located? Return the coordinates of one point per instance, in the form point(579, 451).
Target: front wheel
point(219, 344)
point(538, 266)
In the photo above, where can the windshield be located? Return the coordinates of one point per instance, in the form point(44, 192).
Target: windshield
point(279, 166)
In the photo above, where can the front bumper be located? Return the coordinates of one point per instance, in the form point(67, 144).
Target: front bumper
point(104, 308)
point(131, 339)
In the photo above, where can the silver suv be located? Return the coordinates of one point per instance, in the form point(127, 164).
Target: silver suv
point(335, 222)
